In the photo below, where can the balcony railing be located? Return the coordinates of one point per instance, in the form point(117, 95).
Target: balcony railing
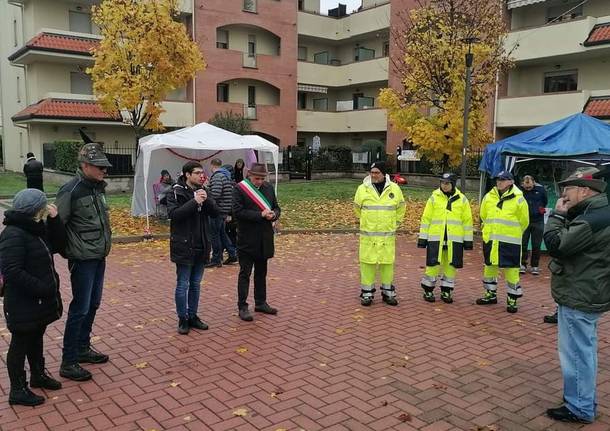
point(250, 112)
point(249, 60)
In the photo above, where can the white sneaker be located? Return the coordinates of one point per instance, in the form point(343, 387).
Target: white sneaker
point(535, 270)
point(522, 269)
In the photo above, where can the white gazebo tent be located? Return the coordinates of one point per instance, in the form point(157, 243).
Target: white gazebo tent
point(202, 142)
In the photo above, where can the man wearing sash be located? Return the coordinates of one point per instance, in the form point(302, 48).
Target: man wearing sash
point(255, 208)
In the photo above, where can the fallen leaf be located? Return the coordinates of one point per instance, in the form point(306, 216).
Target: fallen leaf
point(174, 384)
point(439, 386)
point(405, 417)
point(138, 327)
point(340, 331)
point(240, 412)
point(384, 403)
point(241, 349)
point(187, 418)
point(141, 365)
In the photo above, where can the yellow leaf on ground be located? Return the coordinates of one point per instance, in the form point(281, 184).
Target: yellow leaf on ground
point(240, 412)
point(141, 365)
point(241, 349)
point(174, 384)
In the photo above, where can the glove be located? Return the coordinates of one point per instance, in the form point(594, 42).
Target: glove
point(468, 245)
point(422, 243)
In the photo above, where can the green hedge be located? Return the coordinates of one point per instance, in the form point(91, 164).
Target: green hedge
point(66, 155)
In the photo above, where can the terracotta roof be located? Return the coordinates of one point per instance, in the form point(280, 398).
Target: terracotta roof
point(64, 109)
point(598, 107)
point(600, 34)
point(58, 43)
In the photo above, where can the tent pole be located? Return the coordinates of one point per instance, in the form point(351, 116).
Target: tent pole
point(482, 185)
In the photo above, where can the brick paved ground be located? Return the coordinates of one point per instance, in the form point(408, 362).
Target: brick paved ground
point(324, 363)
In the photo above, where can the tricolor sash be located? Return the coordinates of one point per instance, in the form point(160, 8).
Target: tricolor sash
point(254, 194)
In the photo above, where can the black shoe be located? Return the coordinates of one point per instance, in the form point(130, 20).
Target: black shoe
point(183, 326)
point(265, 308)
point(23, 396)
point(74, 372)
point(230, 260)
point(366, 302)
point(446, 296)
point(551, 318)
point(42, 379)
point(511, 304)
point(488, 299)
point(197, 323)
point(213, 265)
point(244, 314)
point(564, 414)
point(390, 300)
point(91, 356)
point(429, 296)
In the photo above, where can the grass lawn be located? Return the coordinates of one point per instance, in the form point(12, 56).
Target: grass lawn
point(12, 182)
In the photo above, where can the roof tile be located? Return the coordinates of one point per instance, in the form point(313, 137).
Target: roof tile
point(598, 107)
point(58, 43)
point(63, 109)
point(600, 34)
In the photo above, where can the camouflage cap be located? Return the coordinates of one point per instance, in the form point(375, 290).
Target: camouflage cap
point(585, 177)
point(93, 154)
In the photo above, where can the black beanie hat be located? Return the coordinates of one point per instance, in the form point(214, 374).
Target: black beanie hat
point(381, 166)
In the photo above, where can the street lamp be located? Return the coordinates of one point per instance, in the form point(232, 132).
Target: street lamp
point(469, 61)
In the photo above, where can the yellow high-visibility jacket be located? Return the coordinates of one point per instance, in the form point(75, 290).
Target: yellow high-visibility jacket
point(504, 218)
point(380, 216)
point(446, 221)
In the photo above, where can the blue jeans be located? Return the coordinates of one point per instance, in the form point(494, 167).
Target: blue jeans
point(220, 239)
point(87, 279)
point(187, 288)
point(577, 344)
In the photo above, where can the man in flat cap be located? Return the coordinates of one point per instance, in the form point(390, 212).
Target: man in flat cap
point(504, 217)
point(82, 208)
point(577, 236)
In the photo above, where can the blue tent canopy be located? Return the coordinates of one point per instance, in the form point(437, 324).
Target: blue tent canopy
point(578, 137)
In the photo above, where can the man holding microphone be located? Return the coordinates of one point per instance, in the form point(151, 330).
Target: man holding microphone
point(188, 207)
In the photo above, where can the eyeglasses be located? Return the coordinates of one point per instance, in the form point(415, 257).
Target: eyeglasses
point(200, 173)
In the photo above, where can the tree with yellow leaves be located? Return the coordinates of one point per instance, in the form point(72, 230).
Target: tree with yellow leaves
point(429, 108)
point(145, 53)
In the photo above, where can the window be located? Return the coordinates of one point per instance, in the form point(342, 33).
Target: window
point(302, 56)
point(302, 100)
point(251, 45)
point(222, 93)
point(251, 95)
point(18, 89)
point(80, 83)
point(555, 82)
point(15, 40)
point(320, 104)
point(250, 6)
point(80, 22)
point(222, 39)
point(362, 54)
point(386, 49)
point(321, 57)
point(301, 4)
point(178, 94)
point(560, 13)
point(361, 102)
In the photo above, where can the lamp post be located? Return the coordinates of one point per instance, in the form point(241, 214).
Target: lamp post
point(467, 91)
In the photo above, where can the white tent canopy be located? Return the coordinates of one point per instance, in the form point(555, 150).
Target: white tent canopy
point(202, 142)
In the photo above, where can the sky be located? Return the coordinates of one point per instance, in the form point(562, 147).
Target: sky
point(330, 4)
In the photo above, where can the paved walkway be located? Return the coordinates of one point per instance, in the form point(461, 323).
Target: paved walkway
point(324, 363)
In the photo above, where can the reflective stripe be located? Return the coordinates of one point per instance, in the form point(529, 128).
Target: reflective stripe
point(423, 235)
point(468, 236)
point(491, 280)
point(364, 233)
point(402, 204)
point(464, 199)
point(428, 281)
point(468, 228)
point(520, 200)
point(424, 226)
point(379, 207)
point(454, 222)
point(455, 238)
point(504, 222)
point(514, 289)
point(388, 291)
point(436, 222)
point(434, 238)
point(447, 282)
point(505, 238)
point(366, 288)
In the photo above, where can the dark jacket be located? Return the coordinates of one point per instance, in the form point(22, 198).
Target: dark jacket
point(82, 207)
point(189, 221)
point(580, 247)
point(254, 233)
point(536, 199)
point(31, 292)
point(221, 189)
point(33, 173)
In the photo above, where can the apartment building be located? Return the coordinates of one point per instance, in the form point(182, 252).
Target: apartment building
point(45, 94)
point(561, 50)
point(299, 76)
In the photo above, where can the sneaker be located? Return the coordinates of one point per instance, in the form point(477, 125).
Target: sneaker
point(74, 372)
point(213, 265)
point(429, 296)
point(230, 260)
point(488, 298)
point(265, 308)
point(244, 314)
point(390, 300)
point(446, 296)
point(197, 323)
point(564, 414)
point(551, 318)
point(522, 269)
point(535, 270)
point(366, 301)
point(511, 304)
point(91, 356)
point(183, 326)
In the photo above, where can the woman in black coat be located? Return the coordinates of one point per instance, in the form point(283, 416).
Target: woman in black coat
point(31, 289)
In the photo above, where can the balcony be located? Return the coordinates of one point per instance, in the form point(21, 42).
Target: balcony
point(56, 46)
point(534, 111)
point(324, 27)
point(250, 112)
point(556, 40)
point(359, 121)
point(185, 6)
point(359, 72)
